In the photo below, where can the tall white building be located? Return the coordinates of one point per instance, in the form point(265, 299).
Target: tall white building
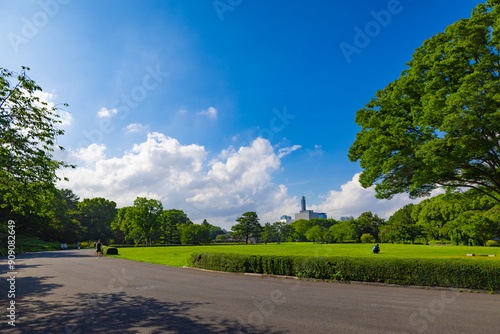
point(303, 214)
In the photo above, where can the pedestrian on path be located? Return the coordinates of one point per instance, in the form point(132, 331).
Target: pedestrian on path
point(98, 247)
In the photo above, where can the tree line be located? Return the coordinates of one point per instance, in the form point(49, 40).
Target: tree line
point(471, 218)
point(66, 218)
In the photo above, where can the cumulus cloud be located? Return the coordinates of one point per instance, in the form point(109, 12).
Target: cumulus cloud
point(136, 128)
point(353, 200)
point(219, 189)
point(107, 113)
point(183, 177)
point(210, 112)
point(90, 154)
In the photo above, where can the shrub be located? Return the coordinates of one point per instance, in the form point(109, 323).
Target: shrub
point(492, 243)
point(367, 238)
point(109, 250)
point(457, 273)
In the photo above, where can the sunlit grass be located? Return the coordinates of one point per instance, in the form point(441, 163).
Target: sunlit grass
point(178, 255)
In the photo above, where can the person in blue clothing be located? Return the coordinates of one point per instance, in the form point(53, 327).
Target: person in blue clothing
point(376, 249)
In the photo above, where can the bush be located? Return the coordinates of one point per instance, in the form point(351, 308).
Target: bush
point(367, 238)
point(109, 250)
point(492, 243)
point(457, 273)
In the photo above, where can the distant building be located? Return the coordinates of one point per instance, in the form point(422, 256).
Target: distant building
point(308, 214)
point(346, 218)
point(303, 214)
point(286, 219)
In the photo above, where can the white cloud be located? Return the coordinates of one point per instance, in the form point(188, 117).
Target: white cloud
point(210, 112)
point(353, 200)
point(65, 118)
point(287, 150)
point(90, 154)
point(183, 177)
point(158, 168)
point(136, 128)
point(107, 113)
point(219, 189)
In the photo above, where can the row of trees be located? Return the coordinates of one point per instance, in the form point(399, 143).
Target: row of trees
point(147, 221)
point(64, 218)
point(470, 218)
point(302, 230)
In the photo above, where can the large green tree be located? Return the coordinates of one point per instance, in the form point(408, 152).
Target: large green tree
point(28, 131)
point(171, 221)
point(269, 232)
point(123, 227)
point(438, 124)
point(401, 226)
point(300, 227)
point(96, 216)
point(146, 215)
point(248, 226)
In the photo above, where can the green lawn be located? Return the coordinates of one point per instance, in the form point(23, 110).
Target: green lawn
point(178, 255)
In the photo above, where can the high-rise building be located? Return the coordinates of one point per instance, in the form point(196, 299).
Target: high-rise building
point(303, 204)
point(303, 214)
point(308, 214)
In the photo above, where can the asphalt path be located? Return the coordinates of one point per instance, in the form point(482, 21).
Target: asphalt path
point(73, 292)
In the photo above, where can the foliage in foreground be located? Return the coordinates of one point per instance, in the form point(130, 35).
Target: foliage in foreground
point(437, 125)
point(455, 273)
point(27, 244)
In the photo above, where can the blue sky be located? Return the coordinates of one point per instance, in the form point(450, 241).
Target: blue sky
point(218, 107)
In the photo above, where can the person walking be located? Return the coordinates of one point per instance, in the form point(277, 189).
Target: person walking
point(79, 245)
point(98, 247)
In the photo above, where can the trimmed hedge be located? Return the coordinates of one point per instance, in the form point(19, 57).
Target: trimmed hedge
point(106, 250)
point(457, 273)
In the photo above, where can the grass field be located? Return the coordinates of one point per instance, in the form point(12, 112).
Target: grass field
point(178, 255)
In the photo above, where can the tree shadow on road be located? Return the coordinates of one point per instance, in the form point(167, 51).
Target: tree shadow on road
point(119, 313)
point(29, 286)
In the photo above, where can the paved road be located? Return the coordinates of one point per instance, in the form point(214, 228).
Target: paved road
point(73, 292)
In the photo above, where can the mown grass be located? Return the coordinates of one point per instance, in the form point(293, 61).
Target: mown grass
point(178, 255)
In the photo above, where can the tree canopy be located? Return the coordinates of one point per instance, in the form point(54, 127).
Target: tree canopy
point(438, 124)
point(248, 226)
point(27, 139)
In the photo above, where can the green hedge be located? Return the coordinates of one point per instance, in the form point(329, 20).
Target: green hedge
point(457, 273)
point(106, 250)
